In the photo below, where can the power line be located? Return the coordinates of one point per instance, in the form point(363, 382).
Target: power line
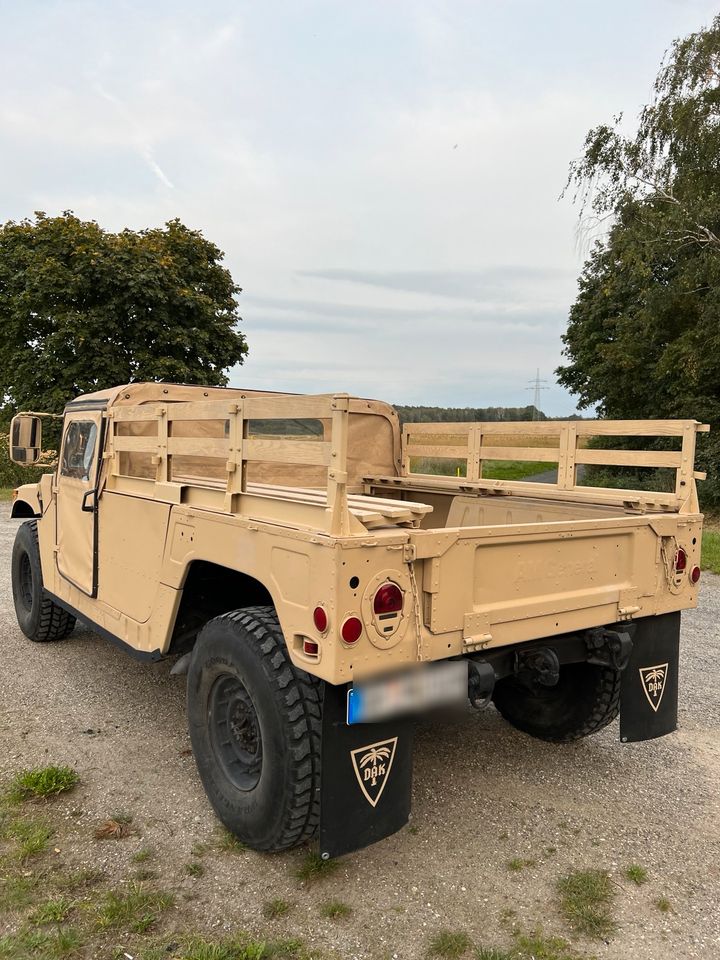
point(536, 385)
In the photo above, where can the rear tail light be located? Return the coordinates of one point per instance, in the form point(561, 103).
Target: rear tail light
point(310, 647)
point(388, 599)
point(680, 560)
point(351, 630)
point(320, 619)
point(695, 574)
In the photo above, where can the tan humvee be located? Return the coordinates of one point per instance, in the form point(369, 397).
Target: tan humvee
point(292, 552)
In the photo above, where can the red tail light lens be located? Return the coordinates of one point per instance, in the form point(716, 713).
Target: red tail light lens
point(680, 560)
point(351, 630)
point(310, 647)
point(320, 619)
point(695, 574)
point(388, 599)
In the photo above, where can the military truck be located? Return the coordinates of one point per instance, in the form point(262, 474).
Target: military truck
point(322, 584)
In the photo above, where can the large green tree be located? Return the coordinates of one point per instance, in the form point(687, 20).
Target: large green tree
point(82, 308)
point(643, 338)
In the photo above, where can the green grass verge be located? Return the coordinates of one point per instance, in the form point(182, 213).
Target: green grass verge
point(710, 559)
point(6, 493)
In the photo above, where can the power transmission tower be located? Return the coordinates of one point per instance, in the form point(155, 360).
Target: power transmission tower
point(536, 385)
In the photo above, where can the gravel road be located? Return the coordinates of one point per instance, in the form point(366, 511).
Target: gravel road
point(483, 794)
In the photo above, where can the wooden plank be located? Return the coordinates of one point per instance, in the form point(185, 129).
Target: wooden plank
point(313, 452)
point(528, 428)
point(431, 450)
point(201, 409)
point(460, 429)
point(632, 428)
point(199, 446)
point(360, 501)
point(542, 454)
point(630, 458)
point(543, 491)
point(135, 444)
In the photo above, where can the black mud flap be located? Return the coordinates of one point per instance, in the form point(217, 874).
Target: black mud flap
point(366, 777)
point(649, 691)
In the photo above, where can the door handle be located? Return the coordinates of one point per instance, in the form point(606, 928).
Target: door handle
point(84, 507)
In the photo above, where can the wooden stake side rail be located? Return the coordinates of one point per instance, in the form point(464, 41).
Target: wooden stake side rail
point(567, 454)
point(330, 509)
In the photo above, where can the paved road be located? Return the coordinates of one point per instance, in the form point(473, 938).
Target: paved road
point(483, 794)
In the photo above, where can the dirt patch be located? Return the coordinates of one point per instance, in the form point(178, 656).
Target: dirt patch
point(486, 798)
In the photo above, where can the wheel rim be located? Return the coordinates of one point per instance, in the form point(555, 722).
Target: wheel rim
point(25, 581)
point(235, 732)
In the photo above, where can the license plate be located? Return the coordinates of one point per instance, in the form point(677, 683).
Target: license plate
point(433, 685)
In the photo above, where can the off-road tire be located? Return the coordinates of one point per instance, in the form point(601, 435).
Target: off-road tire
point(39, 617)
point(585, 699)
point(267, 795)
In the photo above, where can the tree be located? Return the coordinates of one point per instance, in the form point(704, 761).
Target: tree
point(82, 309)
point(643, 338)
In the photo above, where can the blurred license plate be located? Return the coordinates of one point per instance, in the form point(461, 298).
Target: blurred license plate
point(434, 685)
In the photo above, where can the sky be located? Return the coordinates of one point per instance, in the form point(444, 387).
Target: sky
point(384, 177)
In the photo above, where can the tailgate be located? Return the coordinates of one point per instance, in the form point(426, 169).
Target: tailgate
point(503, 586)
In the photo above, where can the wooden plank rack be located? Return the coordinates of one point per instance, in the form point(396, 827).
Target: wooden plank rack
point(370, 511)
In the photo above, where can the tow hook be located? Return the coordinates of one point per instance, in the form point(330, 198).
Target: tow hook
point(481, 683)
point(609, 648)
point(543, 666)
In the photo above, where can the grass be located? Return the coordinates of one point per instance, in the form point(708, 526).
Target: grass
point(663, 905)
point(41, 783)
point(230, 843)
point(143, 855)
point(450, 944)
point(17, 891)
point(534, 946)
point(335, 910)
point(6, 493)
point(39, 945)
point(519, 863)
point(710, 556)
point(312, 867)
point(52, 911)
point(274, 909)
point(636, 874)
point(135, 907)
point(30, 835)
point(586, 900)
point(240, 947)
point(194, 869)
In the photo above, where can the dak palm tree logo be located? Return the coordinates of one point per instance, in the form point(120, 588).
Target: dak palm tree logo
point(372, 766)
point(653, 681)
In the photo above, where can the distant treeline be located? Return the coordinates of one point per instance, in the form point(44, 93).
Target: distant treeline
point(466, 414)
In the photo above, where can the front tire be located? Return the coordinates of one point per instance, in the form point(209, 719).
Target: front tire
point(255, 729)
point(585, 699)
point(39, 617)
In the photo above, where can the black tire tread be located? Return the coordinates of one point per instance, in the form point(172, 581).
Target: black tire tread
point(600, 710)
point(300, 696)
point(54, 622)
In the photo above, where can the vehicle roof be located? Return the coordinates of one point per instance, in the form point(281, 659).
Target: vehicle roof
point(156, 391)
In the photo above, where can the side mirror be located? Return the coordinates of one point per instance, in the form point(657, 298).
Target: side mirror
point(25, 439)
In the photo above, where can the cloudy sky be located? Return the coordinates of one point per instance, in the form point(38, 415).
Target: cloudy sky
point(383, 176)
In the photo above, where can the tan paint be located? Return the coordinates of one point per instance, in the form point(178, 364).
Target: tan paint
point(188, 474)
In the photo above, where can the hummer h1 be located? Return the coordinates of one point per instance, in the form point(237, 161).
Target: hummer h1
point(320, 589)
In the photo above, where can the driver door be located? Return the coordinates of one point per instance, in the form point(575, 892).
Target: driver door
point(76, 499)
